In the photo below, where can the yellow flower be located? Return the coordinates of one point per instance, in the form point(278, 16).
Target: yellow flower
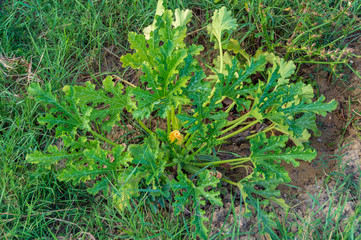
point(176, 135)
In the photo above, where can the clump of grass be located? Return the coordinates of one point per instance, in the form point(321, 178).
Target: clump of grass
point(332, 212)
point(307, 32)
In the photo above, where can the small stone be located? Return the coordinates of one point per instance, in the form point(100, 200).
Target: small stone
point(325, 210)
point(294, 229)
point(227, 198)
point(304, 207)
point(237, 210)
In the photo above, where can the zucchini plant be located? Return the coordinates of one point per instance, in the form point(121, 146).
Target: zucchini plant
point(179, 163)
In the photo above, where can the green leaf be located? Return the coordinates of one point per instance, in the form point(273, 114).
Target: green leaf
point(102, 185)
point(127, 187)
point(150, 159)
point(266, 156)
point(234, 85)
point(303, 123)
point(187, 190)
point(166, 64)
point(204, 122)
point(165, 92)
point(271, 149)
point(158, 12)
point(318, 107)
point(135, 60)
point(65, 115)
point(253, 190)
point(233, 45)
point(106, 109)
point(287, 68)
point(94, 163)
point(53, 157)
point(182, 17)
point(221, 21)
point(283, 103)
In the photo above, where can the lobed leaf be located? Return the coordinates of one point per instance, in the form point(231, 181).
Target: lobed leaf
point(51, 158)
point(197, 193)
point(221, 21)
point(106, 109)
point(65, 115)
point(149, 159)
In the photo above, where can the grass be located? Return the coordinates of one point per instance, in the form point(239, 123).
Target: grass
point(70, 42)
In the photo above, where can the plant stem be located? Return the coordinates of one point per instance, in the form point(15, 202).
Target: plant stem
point(244, 117)
point(169, 128)
point(189, 140)
point(353, 70)
point(199, 149)
point(241, 120)
point(239, 131)
point(269, 128)
point(239, 166)
point(103, 138)
point(315, 62)
point(238, 160)
point(174, 120)
point(179, 123)
point(230, 107)
point(145, 127)
point(220, 55)
point(125, 81)
point(220, 71)
point(228, 181)
point(171, 164)
point(186, 136)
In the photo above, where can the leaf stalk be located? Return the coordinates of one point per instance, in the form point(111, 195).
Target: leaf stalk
point(103, 138)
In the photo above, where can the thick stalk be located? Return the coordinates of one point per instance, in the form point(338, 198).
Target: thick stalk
point(230, 107)
point(169, 127)
point(145, 127)
point(220, 55)
point(178, 121)
point(238, 160)
point(316, 62)
point(199, 149)
point(238, 131)
point(103, 138)
point(171, 164)
point(239, 166)
point(220, 71)
point(187, 142)
point(269, 128)
point(244, 117)
point(191, 169)
point(186, 137)
point(233, 126)
point(174, 120)
point(230, 182)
